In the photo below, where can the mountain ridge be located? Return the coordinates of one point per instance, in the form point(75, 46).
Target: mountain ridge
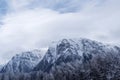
point(23, 62)
point(67, 50)
point(73, 59)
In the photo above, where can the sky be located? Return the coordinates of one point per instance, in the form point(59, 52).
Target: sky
point(34, 24)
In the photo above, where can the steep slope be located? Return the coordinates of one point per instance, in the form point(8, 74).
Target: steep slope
point(1, 66)
point(70, 50)
point(23, 62)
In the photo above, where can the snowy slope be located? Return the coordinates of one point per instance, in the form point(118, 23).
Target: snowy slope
point(1, 66)
point(23, 62)
point(68, 50)
point(63, 51)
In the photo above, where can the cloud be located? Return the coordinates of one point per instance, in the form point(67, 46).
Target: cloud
point(26, 29)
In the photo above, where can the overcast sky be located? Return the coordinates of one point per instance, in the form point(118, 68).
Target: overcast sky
point(33, 24)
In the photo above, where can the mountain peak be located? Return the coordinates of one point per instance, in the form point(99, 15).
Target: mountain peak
point(23, 62)
point(67, 50)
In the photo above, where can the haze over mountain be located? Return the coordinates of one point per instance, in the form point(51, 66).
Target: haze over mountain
point(29, 27)
point(33, 24)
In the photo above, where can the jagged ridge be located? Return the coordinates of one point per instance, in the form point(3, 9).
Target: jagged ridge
point(68, 50)
point(23, 62)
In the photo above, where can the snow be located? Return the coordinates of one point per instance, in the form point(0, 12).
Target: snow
point(23, 62)
point(62, 51)
point(73, 49)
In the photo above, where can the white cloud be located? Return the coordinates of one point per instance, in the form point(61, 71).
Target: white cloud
point(35, 28)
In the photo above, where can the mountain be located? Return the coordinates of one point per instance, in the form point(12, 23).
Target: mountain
point(70, 50)
point(67, 59)
point(1, 66)
point(23, 62)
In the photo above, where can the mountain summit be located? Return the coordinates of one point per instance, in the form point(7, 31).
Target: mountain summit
point(23, 62)
point(70, 50)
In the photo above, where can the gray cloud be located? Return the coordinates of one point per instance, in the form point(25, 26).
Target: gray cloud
point(26, 29)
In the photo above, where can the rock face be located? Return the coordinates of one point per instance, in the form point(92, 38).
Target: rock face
point(1, 66)
point(68, 50)
point(23, 62)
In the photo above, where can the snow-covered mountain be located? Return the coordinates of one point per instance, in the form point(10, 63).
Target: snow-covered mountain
point(23, 62)
point(63, 51)
point(68, 50)
point(67, 59)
